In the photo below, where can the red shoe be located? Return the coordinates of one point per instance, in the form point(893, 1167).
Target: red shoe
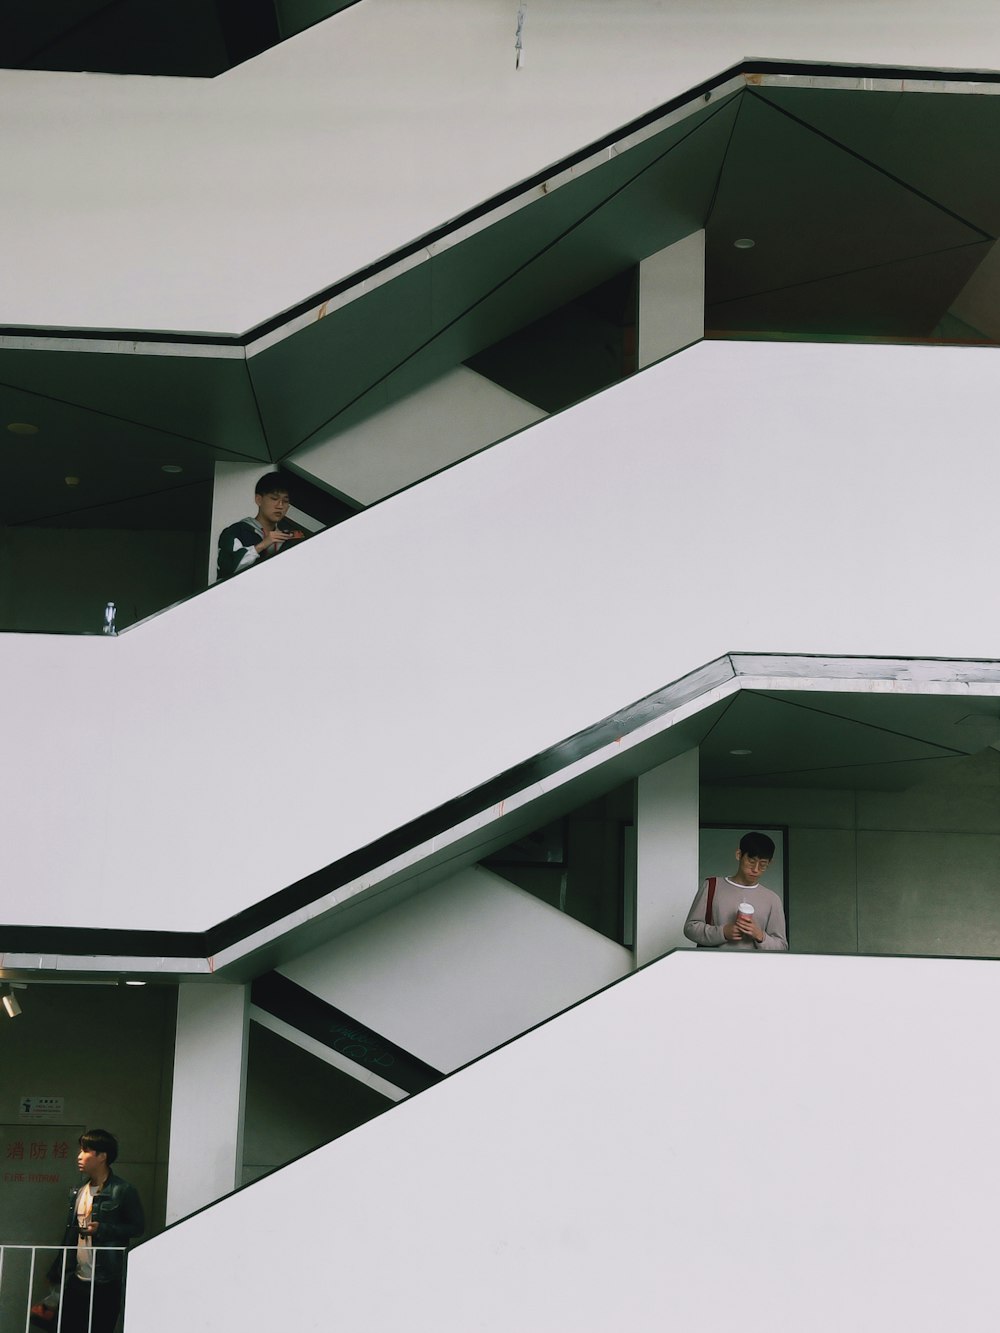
point(42, 1316)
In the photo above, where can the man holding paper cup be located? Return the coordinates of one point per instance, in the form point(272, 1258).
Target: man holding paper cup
point(738, 912)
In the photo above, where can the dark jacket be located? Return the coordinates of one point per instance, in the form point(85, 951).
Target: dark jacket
point(118, 1212)
point(236, 545)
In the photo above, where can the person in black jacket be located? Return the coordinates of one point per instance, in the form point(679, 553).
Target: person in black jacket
point(269, 531)
point(104, 1215)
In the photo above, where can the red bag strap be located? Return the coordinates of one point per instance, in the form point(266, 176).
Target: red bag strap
point(711, 900)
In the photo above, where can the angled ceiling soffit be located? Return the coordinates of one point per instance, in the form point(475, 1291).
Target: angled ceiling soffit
point(870, 252)
point(196, 393)
point(466, 296)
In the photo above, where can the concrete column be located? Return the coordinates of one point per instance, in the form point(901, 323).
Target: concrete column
point(672, 299)
point(206, 1111)
point(666, 854)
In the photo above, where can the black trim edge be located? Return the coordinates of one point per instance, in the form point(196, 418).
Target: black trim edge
point(325, 1023)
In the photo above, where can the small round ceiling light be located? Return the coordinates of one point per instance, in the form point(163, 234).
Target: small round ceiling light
point(171, 467)
point(741, 751)
point(23, 428)
point(71, 481)
point(744, 243)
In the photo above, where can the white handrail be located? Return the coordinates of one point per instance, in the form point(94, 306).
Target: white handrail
point(16, 1284)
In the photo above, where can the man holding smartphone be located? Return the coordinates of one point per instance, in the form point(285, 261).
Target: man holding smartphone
point(263, 535)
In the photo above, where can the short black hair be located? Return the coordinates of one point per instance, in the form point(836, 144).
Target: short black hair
point(757, 844)
point(99, 1140)
point(271, 482)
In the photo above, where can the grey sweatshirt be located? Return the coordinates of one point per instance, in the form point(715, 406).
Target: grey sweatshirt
point(768, 913)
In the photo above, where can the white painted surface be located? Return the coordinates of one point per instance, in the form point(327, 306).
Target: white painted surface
point(435, 640)
point(516, 1194)
point(200, 204)
point(444, 421)
point(206, 1108)
point(666, 827)
point(672, 298)
point(461, 968)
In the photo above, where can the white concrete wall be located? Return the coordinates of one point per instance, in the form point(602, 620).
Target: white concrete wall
point(207, 1097)
point(424, 431)
point(461, 968)
point(637, 1164)
point(672, 298)
point(754, 497)
point(666, 828)
point(213, 204)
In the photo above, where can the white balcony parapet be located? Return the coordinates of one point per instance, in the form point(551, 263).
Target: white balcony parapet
point(720, 1141)
point(770, 498)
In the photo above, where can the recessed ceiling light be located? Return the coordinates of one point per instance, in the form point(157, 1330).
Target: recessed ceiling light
point(744, 243)
point(171, 467)
point(71, 481)
point(135, 983)
point(22, 428)
point(741, 751)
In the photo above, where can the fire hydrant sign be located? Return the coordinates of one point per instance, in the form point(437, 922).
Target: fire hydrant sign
point(44, 1109)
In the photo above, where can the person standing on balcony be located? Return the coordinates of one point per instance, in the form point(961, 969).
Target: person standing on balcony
point(269, 531)
point(719, 919)
point(105, 1213)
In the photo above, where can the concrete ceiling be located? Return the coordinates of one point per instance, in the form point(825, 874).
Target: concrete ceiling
point(196, 38)
point(842, 741)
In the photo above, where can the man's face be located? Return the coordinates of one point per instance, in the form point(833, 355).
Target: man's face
point(751, 867)
point(92, 1164)
point(272, 507)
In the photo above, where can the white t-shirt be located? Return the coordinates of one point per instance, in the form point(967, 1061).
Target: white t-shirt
point(85, 1245)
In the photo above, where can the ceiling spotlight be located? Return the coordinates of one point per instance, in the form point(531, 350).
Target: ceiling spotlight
point(171, 467)
point(741, 751)
point(10, 1003)
point(22, 428)
point(744, 243)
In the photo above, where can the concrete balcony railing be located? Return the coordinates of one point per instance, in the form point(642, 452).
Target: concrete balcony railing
point(806, 499)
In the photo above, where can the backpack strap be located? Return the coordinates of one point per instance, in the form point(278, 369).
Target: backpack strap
point(711, 900)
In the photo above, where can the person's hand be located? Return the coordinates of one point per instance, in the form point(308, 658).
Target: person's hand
point(274, 538)
point(732, 932)
point(88, 1228)
point(748, 927)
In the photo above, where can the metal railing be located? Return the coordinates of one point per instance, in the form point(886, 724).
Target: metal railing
point(28, 1299)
